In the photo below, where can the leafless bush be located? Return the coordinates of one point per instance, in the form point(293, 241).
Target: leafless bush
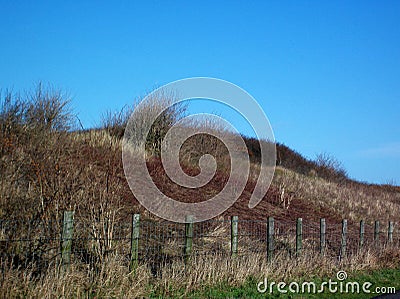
point(12, 112)
point(330, 167)
point(33, 133)
point(49, 109)
point(157, 112)
point(115, 122)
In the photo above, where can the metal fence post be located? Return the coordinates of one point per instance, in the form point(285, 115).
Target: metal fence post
point(322, 236)
point(299, 236)
point(188, 237)
point(234, 235)
point(134, 242)
point(376, 232)
point(362, 232)
point(66, 239)
point(343, 247)
point(390, 232)
point(270, 238)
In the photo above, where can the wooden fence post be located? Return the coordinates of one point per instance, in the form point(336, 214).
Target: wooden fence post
point(390, 232)
point(234, 235)
point(299, 236)
point(66, 239)
point(322, 236)
point(134, 242)
point(270, 238)
point(188, 237)
point(362, 232)
point(344, 239)
point(376, 232)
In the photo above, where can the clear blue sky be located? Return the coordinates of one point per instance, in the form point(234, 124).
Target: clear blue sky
point(327, 73)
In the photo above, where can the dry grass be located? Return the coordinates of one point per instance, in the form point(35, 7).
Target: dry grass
point(349, 200)
point(112, 279)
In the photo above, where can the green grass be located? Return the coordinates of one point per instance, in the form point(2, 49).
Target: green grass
point(378, 278)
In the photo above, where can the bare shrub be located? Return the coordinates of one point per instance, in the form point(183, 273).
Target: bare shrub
point(330, 167)
point(49, 109)
point(115, 122)
point(12, 113)
point(210, 140)
point(325, 166)
point(157, 112)
point(33, 134)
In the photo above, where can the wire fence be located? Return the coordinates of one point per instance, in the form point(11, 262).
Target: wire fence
point(158, 243)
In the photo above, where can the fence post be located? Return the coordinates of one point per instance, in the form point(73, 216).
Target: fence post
point(66, 239)
point(270, 238)
point(234, 235)
point(344, 239)
point(362, 232)
point(390, 232)
point(134, 242)
point(188, 237)
point(376, 232)
point(299, 236)
point(322, 236)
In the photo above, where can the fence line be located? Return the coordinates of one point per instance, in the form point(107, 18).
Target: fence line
point(160, 242)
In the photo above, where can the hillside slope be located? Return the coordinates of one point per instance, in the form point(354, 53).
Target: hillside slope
point(46, 167)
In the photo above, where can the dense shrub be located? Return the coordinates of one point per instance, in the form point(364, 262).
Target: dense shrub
point(45, 108)
point(34, 133)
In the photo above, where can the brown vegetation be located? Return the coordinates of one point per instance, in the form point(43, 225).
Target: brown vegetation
point(47, 168)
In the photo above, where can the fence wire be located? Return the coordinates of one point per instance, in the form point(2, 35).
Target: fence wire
point(38, 244)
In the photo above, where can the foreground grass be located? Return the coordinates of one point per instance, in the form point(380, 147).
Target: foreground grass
point(378, 278)
point(204, 277)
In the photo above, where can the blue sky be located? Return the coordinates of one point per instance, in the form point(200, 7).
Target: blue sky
point(327, 73)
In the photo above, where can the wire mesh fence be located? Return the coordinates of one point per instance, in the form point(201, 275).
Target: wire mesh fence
point(158, 243)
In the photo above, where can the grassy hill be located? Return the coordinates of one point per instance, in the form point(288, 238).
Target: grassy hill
point(48, 166)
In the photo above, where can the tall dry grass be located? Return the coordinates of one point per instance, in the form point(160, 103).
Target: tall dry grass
point(112, 278)
point(348, 200)
point(110, 281)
